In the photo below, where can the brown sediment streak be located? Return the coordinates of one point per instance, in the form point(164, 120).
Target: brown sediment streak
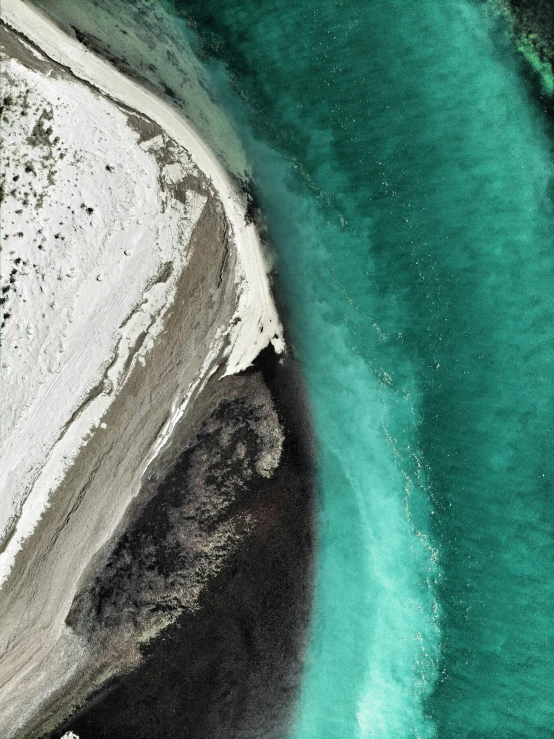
point(105, 476)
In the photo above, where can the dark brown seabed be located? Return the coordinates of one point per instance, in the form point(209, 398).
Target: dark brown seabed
point(231, 668)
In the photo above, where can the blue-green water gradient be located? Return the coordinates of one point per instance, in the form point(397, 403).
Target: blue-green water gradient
point(413, 223)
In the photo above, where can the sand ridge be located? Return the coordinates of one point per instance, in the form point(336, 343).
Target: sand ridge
point(219, 312)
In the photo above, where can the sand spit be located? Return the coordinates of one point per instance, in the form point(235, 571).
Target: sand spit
point(149, 44)
point(113, 362)
point(94, 240)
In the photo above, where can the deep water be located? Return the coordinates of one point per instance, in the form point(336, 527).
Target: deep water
point(414, 228)
point(405, 170)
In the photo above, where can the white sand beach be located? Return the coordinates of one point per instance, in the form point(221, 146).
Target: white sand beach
point(136, 277)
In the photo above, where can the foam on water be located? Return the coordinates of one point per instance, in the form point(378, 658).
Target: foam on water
point(374, 647)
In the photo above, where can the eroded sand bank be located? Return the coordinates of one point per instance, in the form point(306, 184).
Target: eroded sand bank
point(213, 316)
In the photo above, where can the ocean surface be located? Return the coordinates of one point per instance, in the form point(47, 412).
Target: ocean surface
point(404, 167)
point(411, 209)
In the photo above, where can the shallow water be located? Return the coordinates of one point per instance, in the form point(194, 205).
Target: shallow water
point(410, 206)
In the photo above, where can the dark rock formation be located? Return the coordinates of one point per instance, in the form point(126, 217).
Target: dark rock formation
point(212, 575)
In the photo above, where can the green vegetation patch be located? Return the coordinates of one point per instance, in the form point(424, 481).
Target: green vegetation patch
point(533, 24)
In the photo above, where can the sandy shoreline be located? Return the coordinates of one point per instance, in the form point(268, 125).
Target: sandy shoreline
point(222, 315)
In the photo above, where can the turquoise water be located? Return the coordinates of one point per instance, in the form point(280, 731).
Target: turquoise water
point(406, 174)
point(411, 209)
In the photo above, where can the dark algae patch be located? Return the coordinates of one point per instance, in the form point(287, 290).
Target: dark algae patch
point(228, 665)
point(534, 20)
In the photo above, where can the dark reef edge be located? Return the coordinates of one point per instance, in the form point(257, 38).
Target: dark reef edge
point(231, 667)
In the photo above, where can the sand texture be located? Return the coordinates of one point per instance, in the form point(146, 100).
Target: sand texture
point(134, 288)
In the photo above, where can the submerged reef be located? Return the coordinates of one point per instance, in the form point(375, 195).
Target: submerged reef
point(210, 579)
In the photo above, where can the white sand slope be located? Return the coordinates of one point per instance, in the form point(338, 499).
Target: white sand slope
point(259, 322)
point(96, 265)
